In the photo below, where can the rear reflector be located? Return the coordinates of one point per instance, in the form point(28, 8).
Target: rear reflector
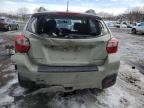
point(112, 46)
point(109, 81)
point(22, 44)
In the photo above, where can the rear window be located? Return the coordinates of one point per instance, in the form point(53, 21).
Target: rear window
point(66, 26)
point(13, 21)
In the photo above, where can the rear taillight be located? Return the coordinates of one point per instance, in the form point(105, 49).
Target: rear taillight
point(112, 46)
point(22, 44)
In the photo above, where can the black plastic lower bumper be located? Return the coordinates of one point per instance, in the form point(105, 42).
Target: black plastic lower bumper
point(57, 69)
point(109, 81)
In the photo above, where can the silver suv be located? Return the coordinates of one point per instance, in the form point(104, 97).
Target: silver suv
point(139, 28)
point(8, 24)
point(66, 51)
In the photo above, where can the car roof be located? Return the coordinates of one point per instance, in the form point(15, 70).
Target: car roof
point(67, 13)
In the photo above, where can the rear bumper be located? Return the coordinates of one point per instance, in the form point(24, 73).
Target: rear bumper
point(103, 77)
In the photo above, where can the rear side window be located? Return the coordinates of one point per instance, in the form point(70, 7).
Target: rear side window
point(66, 26)
point(141, 24)
point(32, 25)
point(8, 20)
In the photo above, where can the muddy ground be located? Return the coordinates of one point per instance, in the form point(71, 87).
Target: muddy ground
point(128, 92)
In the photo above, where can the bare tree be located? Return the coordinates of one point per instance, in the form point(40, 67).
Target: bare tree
point(41, 9)
point(35, 10)
point(23, 12)
point(106, 16)
point(135, 14)
point(91, 11)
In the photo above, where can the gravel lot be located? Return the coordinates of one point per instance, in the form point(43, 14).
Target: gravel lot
point(128, 92)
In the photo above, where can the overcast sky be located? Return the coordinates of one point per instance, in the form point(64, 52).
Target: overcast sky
point(110, 6)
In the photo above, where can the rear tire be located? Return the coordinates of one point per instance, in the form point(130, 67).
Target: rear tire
point(25, 83)
point(133, 31)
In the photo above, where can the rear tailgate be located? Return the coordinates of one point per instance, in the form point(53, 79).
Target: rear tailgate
point(68, 52)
